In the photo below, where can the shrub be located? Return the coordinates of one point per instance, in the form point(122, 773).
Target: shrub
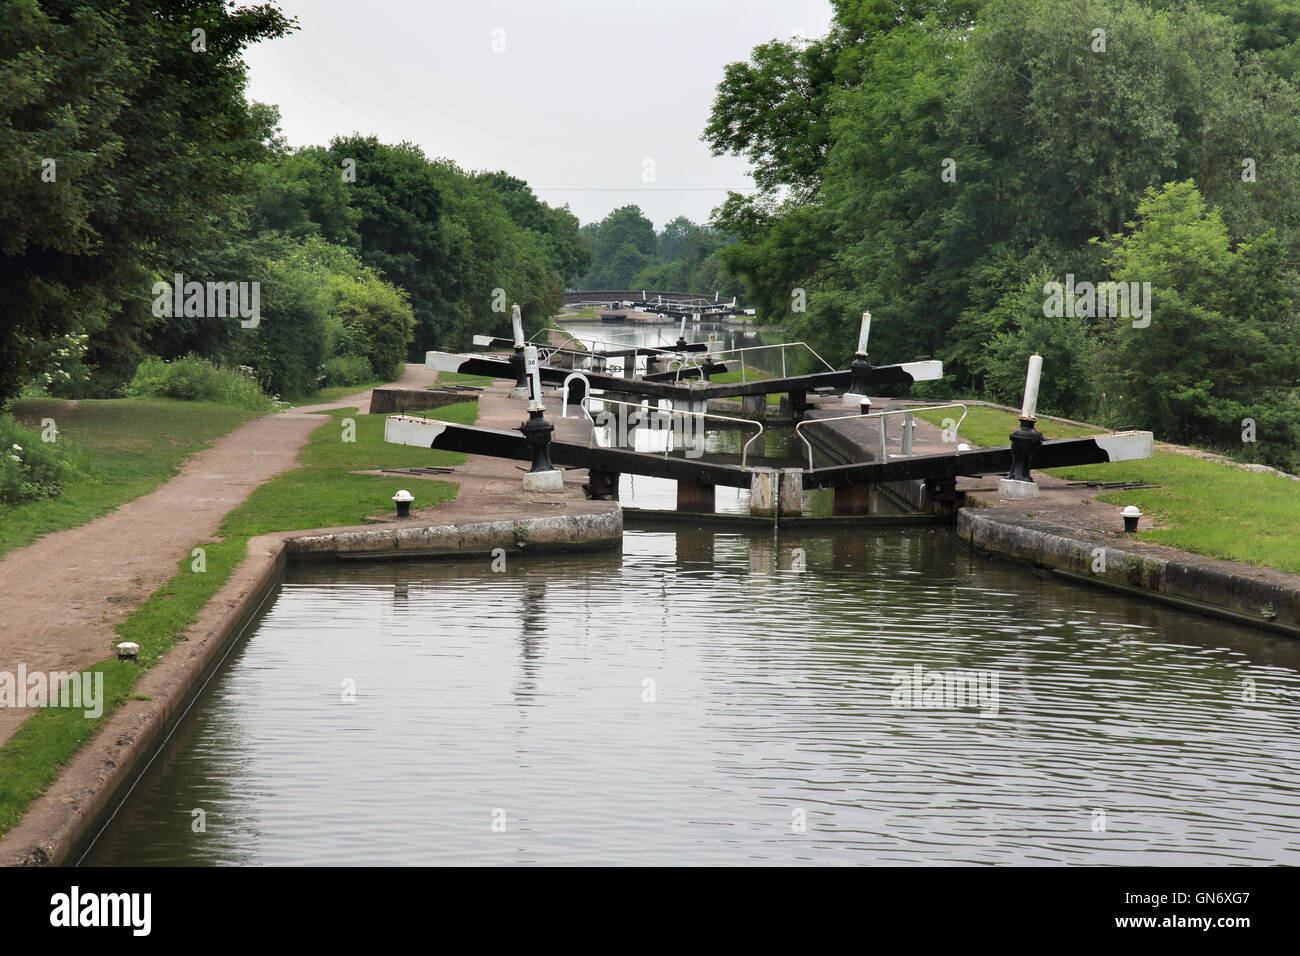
point(29, 468)
point(347, 370)
point(195, 379)
point(288, 345)
point(377, 321)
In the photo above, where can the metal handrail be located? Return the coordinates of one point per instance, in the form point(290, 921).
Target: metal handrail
point(559, 348)
point(684, 361)
point(744, 451)
point(779, 345)
point(884, 454)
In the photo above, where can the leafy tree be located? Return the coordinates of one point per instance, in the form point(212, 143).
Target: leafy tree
point(378, 316)
point(691, 261)
point(622, 244)
point(1270, 27)
point(567, 249)
point(398, 195)
point(149, 141)
point(776, 109)
point(1223, 344)
point(300, 194)
point(961, 149)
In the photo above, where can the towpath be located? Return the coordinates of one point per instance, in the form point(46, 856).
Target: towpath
point(65, 593)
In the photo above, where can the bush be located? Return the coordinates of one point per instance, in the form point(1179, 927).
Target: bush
point(29, 468)
point(377, 321)
point(347, 370)
point(195, 379)
point(288, 345)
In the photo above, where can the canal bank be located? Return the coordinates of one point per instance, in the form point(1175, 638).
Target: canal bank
point(1066, 531)
point(490, 520)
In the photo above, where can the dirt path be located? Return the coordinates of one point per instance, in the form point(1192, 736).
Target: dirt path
point(65, 593)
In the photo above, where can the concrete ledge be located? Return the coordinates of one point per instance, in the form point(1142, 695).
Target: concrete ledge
point(61, 823)
point(582, 531)
point(387, 401)
point(1257, 597)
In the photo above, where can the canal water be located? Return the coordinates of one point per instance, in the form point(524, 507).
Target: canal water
point(724, 697)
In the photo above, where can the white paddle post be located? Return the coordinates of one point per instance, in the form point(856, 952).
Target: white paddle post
point(856, 396)
point(520, 390)
point(543, 476)
point(1025, 440)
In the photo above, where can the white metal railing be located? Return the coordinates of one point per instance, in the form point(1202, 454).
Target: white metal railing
point(593, 344)
point(780, 345)
point(744, 451)
point(908, 425)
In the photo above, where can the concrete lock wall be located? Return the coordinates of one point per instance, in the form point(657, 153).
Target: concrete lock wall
point(1257, 596)
point(384, 401)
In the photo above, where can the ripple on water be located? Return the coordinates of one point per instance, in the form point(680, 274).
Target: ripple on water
point(1119, 733)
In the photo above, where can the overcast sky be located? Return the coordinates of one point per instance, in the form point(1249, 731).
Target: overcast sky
point(581, 95)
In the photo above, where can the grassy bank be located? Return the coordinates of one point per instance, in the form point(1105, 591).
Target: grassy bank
point(120, 448)
point(1204, 506)
point(321, 492)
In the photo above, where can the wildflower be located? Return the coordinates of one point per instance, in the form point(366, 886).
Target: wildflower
point(17, 447)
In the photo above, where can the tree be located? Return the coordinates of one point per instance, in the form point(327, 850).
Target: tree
point(622, 244)
point(120, 146)
point(1222, 344)
point(566, 248)
point(398, 195)
point(302, 194)
point(967, 147)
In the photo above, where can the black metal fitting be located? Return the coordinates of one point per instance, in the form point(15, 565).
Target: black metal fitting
point(517, 367)
point(537, 435)
point(1025, 442)
point(861, 369)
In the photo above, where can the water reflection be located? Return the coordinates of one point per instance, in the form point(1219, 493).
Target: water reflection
point(1124, 732)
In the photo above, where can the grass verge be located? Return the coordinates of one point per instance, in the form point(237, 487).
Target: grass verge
point(321, 492)
point(121, 448)
point(989, 427)
point(1204, 506)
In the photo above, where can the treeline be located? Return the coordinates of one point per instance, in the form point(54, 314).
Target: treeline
point(626, 253)
point(130, 157)
point(974, 173)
